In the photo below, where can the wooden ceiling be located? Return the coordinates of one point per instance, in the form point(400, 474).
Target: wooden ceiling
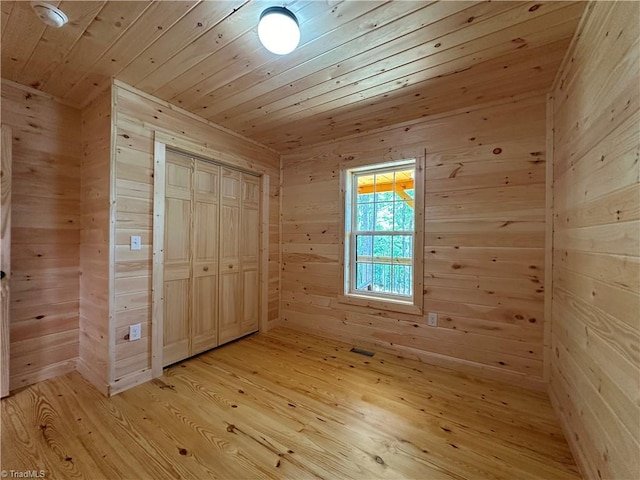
point(360, 64)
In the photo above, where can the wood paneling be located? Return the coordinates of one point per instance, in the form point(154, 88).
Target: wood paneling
point(288, 405)
point(359, 65)
point(45, 234)
point(483, 248)
point(595, 367)
point(5, 256)
point(95, 240)
point(138, 117)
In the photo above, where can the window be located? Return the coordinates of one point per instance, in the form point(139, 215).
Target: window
point(381, 238)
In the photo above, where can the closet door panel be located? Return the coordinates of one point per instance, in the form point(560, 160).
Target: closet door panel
point(177, 236)
point(230, 186)
point(251, 294)
point(250, 238)
point(230, 306)
point(204, 324)
point(177, 259)
point(250, 253)
point(176, 320)
point(230, 235)
point(230, 294)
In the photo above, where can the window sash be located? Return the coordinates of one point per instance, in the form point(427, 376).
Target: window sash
point(353, 233)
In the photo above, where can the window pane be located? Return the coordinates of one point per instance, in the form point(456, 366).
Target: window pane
point(401, 280)
point(398, 279)
point(381, 277)
point(398, 246)
point(364, 276)
point(382, 246)
point(365, 197)
point(407, 246)
point(409, 214)
point(399, 215)
point(364, 216)
point(384, 217)
point(384, 187)
point(365, 187)
point(402, 246)
point(364, 246)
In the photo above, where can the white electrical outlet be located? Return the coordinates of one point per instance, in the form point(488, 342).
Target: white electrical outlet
point(433, 319)
point(135, 332)
point(136, 242)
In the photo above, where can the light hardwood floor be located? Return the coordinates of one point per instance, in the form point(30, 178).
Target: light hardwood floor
point(287, 405)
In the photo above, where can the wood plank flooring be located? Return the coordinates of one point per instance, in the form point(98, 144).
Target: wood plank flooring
point(287, 405)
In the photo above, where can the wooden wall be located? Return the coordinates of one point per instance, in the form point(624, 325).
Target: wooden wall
point(95, 239)
point(483, 249)
point(137, 117)
point(595, 374)
point(45, 234)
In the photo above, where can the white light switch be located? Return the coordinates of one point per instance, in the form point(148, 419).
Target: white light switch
point(432, 319)
point(136, 242)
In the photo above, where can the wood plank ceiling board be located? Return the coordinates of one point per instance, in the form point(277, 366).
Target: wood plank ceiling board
point(241, 56)
point(199, 21)
point(229, 59)
point(193, 55)
point(416, 69)
point(359, 65)
point(56, 43)
point(449, 92)
point(112, 21)
point(356, 19)
point(158, 17)
point(310, 85)
point(22, 35)
point(363, 54)
point(6, 8)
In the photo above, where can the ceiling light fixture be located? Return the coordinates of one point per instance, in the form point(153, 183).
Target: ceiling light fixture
point(50, 15)
point(278, 30)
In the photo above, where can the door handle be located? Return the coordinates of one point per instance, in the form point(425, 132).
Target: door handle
point(206, 269)
point(2, 274)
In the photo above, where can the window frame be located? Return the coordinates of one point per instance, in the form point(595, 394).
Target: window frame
point(411, 304)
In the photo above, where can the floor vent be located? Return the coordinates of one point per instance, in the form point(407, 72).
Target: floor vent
point(366, 353)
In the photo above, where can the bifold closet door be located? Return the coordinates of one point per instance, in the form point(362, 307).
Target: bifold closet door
point(211, 256)
point(230, 285)
point(250, 253)
point(204, 321)
point(177, 259)
point(239, 254)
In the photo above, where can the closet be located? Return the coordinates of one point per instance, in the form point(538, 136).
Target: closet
point(211, 256)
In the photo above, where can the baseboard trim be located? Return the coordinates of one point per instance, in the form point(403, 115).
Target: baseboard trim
point(130, 381)
point(50, 371)
point(574, 446)
point(92, 377)
point(459, 365)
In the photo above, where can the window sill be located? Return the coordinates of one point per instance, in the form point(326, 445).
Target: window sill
point(381, 304)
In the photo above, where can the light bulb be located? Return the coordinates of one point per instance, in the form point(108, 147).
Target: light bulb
point(278, 30)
